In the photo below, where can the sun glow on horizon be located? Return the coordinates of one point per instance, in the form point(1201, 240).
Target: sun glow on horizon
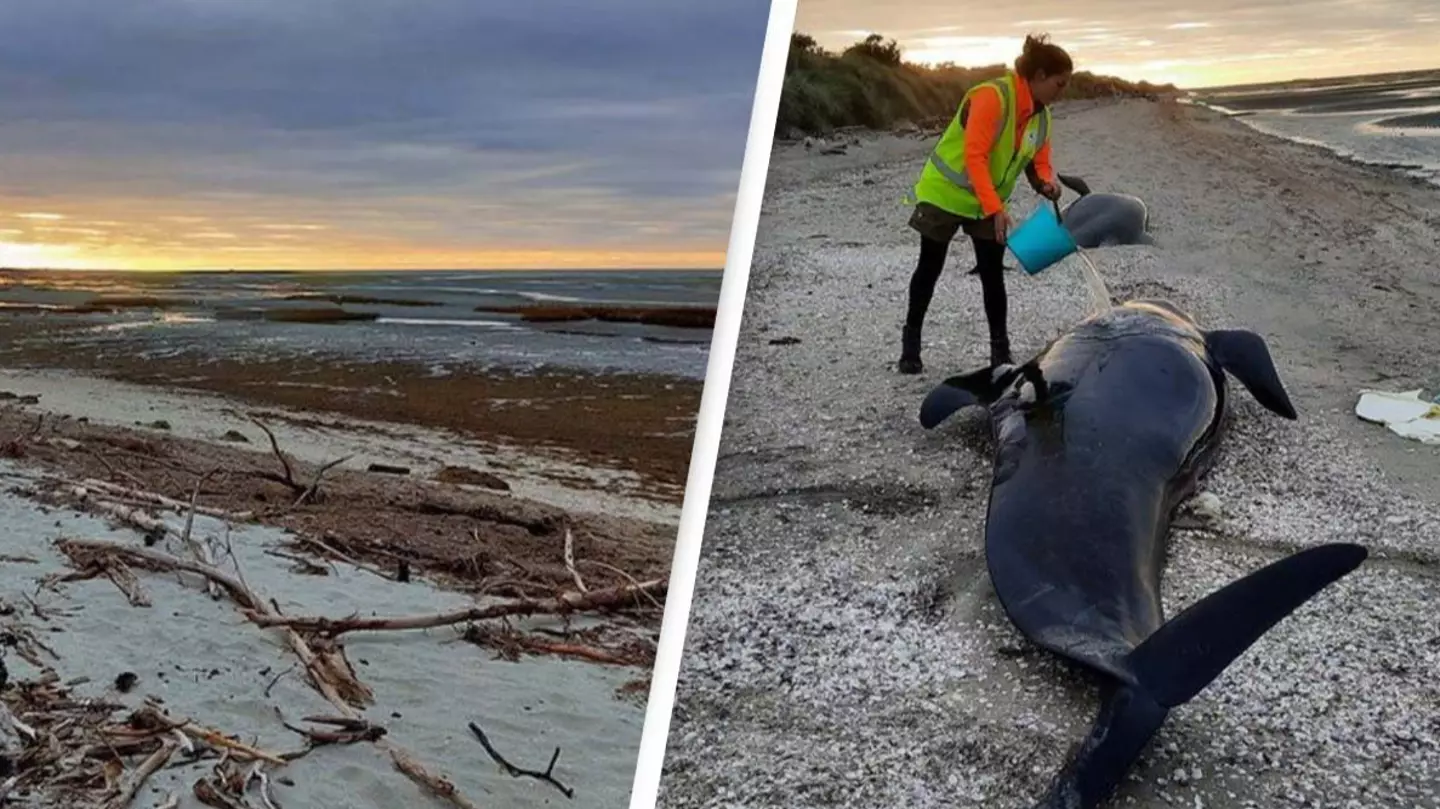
point(69, 239)
point(23, 256)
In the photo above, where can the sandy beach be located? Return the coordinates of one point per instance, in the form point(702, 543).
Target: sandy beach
point(844, 647)
point(337, 489)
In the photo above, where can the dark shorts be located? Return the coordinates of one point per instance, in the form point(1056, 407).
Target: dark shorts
point(941, 225)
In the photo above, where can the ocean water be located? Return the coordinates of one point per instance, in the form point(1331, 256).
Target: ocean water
point(1391, 121)
point(429, 317)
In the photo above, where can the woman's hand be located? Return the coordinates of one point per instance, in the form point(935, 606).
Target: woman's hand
point(1002, 225)
point(1050, 191)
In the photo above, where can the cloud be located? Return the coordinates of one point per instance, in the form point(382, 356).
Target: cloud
point(1214, 41)
point(387, 114)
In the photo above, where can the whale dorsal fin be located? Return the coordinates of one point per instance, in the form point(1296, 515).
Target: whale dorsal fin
point(1244, 355)
point(976, 388)
point(1076, 184)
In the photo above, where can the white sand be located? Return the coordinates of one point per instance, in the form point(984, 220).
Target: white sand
point(844, 646)
point(207, 662)
point(205, 416)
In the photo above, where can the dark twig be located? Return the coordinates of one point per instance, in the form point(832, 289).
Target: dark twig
point(303, 492)
point(518, 772)
point(289, 479)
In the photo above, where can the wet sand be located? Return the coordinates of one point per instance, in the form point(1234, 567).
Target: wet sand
point(642, 424)
point(845, 647)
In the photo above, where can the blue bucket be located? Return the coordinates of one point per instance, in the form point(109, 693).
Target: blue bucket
point(1041, 240)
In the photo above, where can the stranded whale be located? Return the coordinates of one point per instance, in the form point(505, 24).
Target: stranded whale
point(1104, 219)
point(1099, 438)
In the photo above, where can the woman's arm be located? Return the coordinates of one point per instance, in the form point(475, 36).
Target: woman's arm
point(1042, 163)
point(983, 115)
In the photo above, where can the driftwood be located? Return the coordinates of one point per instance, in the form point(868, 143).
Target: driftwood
point(519, 772)
point(303, 492)
point(324, 670)
point(350, 730)
point(330, 675)
point(177, 506)
point(142, 773)
point(570, 560)
point(74, 749)
point(609, 598)
point(511, 644)
point(329, 549)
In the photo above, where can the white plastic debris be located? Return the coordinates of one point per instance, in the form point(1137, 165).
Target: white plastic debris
point(1406, 414)
point(1206, 506)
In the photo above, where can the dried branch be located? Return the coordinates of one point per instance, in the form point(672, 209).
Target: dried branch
point(436, 785)
point(622, 574)
point(609, 598)
point(322, 545)
point(313, 491)
point(303, 492)
point(511, 644)
point(520, 772)
point(327, 674)
point(186, 538)
point(179, 507)
point(124, 578)
point(257, 773)
point(570, 559)
point(351, 730)
point(147, 768)
point(289, 477)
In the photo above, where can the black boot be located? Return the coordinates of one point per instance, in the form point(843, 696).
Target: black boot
point(910, 352)
point(1000, 352)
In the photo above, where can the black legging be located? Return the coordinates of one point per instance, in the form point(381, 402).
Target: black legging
point(989, 265)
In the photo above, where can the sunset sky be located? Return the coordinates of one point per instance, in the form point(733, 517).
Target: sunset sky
point(165, 134)
point(1192, 44)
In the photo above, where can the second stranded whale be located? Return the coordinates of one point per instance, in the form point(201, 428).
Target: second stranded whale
point(1099, 439)
point(1104, 219)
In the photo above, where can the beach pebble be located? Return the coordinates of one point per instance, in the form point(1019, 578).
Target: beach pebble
point(1206, 506)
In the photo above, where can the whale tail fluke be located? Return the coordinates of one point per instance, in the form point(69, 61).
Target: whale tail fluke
point(1194, 647)
point(1128, 719)
point(1182, 657)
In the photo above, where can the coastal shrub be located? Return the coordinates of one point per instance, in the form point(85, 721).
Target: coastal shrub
point(869, 84)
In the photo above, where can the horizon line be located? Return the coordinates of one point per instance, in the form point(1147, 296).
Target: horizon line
point(1186, 88)
point(355, 270)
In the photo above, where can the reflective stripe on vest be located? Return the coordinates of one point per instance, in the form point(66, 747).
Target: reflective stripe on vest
point(961, 177)
point(943, 185)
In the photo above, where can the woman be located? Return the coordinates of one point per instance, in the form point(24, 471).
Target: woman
point(1002, 126)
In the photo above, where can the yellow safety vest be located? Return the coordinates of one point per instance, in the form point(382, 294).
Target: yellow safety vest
point(945, 182)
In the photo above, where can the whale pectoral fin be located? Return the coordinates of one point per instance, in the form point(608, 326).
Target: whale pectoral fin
point(1073, 183)
point(980, 387)
point(1193, 648)
point(1244, 355)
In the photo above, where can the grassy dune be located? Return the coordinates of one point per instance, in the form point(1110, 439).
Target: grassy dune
point(870, 85)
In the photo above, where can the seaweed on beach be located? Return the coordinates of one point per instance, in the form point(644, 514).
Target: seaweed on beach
point(682, 317)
